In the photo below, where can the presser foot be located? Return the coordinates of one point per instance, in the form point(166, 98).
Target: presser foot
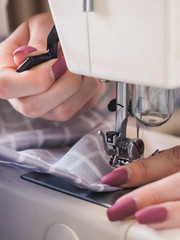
point(122, 151)
point(116, 161)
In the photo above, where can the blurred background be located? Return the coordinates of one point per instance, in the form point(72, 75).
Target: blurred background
point(14, 12)
point(20, 10)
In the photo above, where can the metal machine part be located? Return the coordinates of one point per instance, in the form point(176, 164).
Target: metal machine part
point(104, 199)
point(122, 149)
point(152, 106)
point(88, 5)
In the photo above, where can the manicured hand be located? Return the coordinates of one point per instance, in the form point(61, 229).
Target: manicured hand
point(48, 90)
point(156, 204)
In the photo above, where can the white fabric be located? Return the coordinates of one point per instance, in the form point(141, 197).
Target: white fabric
point(72, 150)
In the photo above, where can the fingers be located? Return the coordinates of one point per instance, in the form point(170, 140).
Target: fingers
point(35, 81)
point(160, 216)
point(22, 53)
point(85, 98)
point(32, 33)
point(39, 27)
point(93, 100)
point(28, 91)
point(37, 105)
point(38, 33)
point(66, 97)
point(17, 39)
point(38, 79)
point(146, 170)
point(35, 93)
point(155, 204)
point(27, 83)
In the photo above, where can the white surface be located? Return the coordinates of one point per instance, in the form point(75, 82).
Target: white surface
point(135, 41)
point(29, 211)
point(142, 232)
point(60, 231)
point(72, 27)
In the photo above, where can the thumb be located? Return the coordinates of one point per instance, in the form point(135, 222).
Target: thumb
point(37, 45)
point(39, 29)
point(23, 52)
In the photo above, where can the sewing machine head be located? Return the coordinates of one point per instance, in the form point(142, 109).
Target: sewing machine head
point(131, 42)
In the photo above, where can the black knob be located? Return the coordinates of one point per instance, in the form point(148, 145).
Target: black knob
point(112, 105)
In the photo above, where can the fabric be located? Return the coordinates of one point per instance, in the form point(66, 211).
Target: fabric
point(72, 149)
point(36, 144)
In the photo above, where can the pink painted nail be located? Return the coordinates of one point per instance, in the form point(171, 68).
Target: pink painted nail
point(58, 68)
point(25, 49)
point(152, 215)
point(122, 209)
point(116, 178)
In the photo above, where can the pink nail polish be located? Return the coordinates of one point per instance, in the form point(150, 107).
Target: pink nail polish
point(25, 49)
point(152, 215)
point(58, 68)
point(116, 178)
point(122, 209)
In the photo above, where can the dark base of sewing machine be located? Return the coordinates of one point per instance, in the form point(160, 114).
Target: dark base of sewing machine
point(104, 199)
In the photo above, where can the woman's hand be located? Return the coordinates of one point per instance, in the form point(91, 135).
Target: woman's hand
point(48, 90)
point(156, 204)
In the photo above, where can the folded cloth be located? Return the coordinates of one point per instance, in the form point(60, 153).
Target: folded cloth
point(39, 145)
point(72, 150)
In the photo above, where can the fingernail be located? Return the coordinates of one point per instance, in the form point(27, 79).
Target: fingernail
point(122, 209)
point(25, 49)
point(116, 178)
point(152, 215)
point(58, 68)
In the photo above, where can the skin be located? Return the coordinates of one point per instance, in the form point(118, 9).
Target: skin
point(35, 93)
point(160, 177)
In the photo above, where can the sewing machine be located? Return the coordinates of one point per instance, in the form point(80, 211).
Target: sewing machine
point(130, 42)
point(127, 41)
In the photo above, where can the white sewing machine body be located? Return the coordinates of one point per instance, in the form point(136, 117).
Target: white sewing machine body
point(133, 41)
point(30, 211)
point(130, 42)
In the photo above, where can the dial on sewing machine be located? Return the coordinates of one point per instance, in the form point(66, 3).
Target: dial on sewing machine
point(130, 42)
